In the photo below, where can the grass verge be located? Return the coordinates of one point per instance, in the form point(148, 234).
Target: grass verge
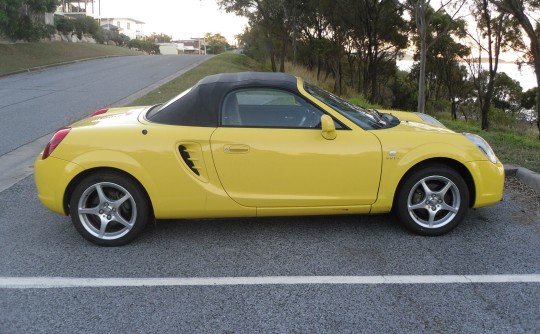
point(23, 56)
point(510, 146)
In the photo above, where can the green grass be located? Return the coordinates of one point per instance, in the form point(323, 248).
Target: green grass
point(360, 101)
point(22, 56)
point(510, 146)
point(223, 63)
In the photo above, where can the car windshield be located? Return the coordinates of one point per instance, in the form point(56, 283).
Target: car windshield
point(364, 118)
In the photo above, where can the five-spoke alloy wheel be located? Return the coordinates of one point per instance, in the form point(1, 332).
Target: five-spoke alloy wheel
point(433, 200)
point(109, 209)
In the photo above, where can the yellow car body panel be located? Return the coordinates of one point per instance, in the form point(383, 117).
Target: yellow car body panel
point(52, 177)
point(489, 182)
point(297, 168)
point(154, 161)
point(250, 171)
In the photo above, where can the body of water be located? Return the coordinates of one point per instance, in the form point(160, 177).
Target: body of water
point(526, 76)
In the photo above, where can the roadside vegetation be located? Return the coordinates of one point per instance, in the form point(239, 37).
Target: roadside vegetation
point(22, 56)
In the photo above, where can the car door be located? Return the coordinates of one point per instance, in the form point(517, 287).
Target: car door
point(269, 152)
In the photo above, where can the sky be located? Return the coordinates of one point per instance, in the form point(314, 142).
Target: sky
point(182, 19)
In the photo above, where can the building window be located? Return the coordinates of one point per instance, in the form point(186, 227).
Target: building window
point(118, 24)
point(128, 26)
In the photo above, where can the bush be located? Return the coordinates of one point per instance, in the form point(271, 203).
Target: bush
point(502, 119)
point(63, 24)
point(145, 46)
point(118, 39)
point(18, 19)
point(81, 25)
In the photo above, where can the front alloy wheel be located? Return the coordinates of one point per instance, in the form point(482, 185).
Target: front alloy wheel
point(433, 200)
point(108, 209)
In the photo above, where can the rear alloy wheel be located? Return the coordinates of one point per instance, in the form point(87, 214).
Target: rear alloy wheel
point(433, 200)
point(109, 209)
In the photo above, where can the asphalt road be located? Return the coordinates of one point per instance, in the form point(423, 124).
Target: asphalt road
point(497, 241)
point(37, 103)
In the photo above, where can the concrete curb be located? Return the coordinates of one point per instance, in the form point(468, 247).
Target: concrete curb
point(530, 178)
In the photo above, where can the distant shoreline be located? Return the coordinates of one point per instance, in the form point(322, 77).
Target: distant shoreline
point(526, 76)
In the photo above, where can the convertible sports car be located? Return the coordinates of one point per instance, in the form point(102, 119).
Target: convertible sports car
point(261, 144)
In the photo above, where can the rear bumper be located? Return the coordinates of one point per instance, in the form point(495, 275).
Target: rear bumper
point(52, 177)
point(489, 182)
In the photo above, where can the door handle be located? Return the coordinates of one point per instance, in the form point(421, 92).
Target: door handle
point(237, 148)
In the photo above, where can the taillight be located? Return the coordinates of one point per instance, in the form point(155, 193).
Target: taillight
point(99, 112)
point(54, 142)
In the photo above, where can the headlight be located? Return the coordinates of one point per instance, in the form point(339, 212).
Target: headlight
point(482, 145)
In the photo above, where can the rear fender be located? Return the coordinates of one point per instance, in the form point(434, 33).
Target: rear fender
point(120, 161)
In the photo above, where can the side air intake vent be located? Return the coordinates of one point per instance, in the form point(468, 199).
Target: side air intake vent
point(191, 162)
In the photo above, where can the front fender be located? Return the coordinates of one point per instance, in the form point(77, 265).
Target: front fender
point(396, 164)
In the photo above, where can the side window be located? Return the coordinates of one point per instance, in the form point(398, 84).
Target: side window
point(269, 108)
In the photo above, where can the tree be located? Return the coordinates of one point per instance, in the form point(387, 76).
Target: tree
point(216, 43)
point(439, 53)
point(507, 93)
point(158, 38)
point(497, 32)
point(521, 10)
point(267, 13)
point(404, 92)
point(423, 15)
point(19, 18)
point(529, 98)
point(379, 32)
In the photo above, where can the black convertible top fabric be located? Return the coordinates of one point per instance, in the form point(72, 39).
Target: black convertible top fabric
point(201, 105)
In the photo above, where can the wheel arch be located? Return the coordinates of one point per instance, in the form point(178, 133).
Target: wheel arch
point(453, 164)
point(81, 176)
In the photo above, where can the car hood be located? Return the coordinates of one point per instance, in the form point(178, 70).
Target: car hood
point(417, 122)
point(420, 127)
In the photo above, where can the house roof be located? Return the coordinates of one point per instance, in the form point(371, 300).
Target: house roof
point(109, 26)
point(123, 18)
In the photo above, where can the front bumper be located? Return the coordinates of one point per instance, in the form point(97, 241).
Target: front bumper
point(489, 182)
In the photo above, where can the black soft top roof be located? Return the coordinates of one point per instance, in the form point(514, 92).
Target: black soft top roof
point(200, 106)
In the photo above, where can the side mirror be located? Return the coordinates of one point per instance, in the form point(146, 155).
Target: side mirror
point(328, 127)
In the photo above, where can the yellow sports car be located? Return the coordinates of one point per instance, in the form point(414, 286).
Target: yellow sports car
point(261, 144)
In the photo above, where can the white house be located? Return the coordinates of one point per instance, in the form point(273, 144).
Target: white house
point(127, 26)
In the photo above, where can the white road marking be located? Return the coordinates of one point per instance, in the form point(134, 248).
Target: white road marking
point(72, 282)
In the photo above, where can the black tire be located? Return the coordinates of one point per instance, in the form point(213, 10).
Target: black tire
point(433, 200)
point(109, 209)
